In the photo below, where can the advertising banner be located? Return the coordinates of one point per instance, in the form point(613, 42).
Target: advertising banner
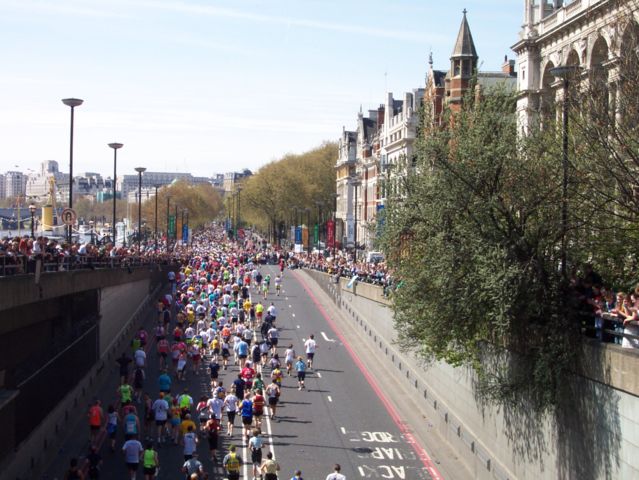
point(330, 234)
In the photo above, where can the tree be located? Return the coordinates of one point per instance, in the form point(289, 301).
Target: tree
point(202, 202)
point(268, 196)
point(475, 240)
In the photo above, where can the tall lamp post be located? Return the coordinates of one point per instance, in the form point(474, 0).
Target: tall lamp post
point(308, 229)
point(355, 183)
point(335, 197)
point(155, 237)
point(168, 206)
point(565, 73)
point(140, 171)
point(91, 226)
point(71, 102)
point(239, 212)
point(319, 204)
point(115, 147)
point(32, 209)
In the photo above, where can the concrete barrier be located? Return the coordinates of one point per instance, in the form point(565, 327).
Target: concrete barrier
point(595, 436)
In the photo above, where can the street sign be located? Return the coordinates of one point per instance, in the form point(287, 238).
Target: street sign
point(69, 216)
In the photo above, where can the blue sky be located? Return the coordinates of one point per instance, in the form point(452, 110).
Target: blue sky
point(210, 86)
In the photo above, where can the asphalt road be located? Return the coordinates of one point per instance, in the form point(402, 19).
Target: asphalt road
point(343, 416)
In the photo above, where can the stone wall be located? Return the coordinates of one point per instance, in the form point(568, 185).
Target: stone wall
point(595, 435)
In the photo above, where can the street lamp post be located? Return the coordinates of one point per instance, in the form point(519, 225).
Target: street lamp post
point(335, 197)
point(71, 102)
point(239, 212)
point(176, 229)
point(32, 209)
point(168, 206)
point(140, 171)
point(91, 225)
point(155, 237)
point(565, 73)
point(355, 182)
point(308, 229)
point(319, 219)
point(115, 147)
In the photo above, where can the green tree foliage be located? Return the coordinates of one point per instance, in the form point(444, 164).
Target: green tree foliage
point(475, 237)
point(300, 180)
point(202, 202)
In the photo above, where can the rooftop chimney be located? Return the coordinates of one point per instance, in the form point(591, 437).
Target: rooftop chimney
point(508, 67)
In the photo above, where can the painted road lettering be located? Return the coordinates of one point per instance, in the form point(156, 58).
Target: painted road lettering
point(379, 437)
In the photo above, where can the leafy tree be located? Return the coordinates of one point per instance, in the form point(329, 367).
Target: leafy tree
point(475, 238)
point(267, 197)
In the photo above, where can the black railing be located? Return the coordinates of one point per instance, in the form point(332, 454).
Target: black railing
point(23, 264)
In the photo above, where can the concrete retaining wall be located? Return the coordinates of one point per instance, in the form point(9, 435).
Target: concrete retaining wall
point(597, 436)
point(124, 308)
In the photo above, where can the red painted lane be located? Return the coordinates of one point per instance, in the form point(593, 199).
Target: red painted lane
point(419, 450)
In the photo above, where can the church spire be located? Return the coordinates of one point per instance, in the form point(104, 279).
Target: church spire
point(464, 57)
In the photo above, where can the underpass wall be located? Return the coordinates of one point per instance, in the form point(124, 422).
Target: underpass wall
point(596, 435)
point(127, 299)
point(117, 305)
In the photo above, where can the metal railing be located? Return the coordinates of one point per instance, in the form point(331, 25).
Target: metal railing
point(26, 265)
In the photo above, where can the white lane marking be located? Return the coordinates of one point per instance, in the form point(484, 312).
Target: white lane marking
point(319, 375)
point(298, 326)
point(329, 398)
point(292, 314)
point(290, 306)
point(343, 430)
point(326, 338)
point(286, 299)
point(267, 418)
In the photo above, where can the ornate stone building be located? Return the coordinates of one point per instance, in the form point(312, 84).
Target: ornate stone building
point(589, 34)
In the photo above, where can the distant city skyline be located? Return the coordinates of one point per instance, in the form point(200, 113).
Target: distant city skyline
point(212, 87)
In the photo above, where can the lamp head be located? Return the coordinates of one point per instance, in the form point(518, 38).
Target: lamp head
point(140, 169)
point(72, 102)
point(32, 208)
point(115, 146)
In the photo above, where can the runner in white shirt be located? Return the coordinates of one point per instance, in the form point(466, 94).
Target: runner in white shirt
point(310, 346)
point(161, 412)
point(140, 358)
point(289, 359)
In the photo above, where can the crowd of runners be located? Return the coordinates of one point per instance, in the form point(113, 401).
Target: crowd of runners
point(217, 320)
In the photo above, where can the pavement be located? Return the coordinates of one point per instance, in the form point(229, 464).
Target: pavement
point(354, 411)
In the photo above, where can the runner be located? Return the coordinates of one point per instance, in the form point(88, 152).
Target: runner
point(246, 410)
point(258, 408)
point(289, 359)
point(231, 404)
point(270, 467)
point(161, 414)
point(273, 395)
point(192, 466)
point(93, 463)
point(113, 418)
point(300, 367)
point(311, 346)
point(278, 285)
point(211, 428)
point(255, 446)
point(232, 463)
point(96, 419)
point(74, 472)
point(189, 442)
point(132, 450)
point(150, 462)
point(336, 475)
